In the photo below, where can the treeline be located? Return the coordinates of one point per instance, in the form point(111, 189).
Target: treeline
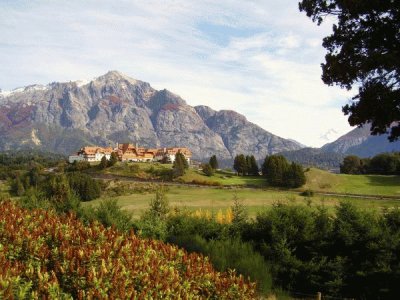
point(277, 171)
point(382, 164)
point(55, 188)
point(10, 161)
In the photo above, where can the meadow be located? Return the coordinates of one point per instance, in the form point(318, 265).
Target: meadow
point(254, 193)
point(317, 180)
point(377, 185)
point(255, 200)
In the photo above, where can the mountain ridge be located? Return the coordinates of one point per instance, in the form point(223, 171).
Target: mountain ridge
point(62, 116)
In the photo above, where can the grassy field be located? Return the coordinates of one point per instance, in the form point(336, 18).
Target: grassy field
point(193, 175)
point(255, 200)
point(323, 181)
point(317, 180)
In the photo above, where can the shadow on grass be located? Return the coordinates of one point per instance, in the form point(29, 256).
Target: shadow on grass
point(382, 180)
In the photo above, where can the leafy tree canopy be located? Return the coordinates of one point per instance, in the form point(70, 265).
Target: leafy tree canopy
point(363, 52)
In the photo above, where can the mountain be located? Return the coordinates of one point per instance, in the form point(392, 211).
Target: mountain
point(62, 117)
point(315, 157)
point(360, 142)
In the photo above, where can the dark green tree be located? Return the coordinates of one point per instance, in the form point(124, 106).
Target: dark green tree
point(213, 162)
point(84, 186)
point(363, 52)
point(113, 159)
point(351, 165)
point(295, 176)
point(103, 163)
point(240, 164)
point(179, 166)
point(253, 166)
point(274, 169)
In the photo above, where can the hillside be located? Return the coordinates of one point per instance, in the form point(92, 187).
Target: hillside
point(323, 181)
point(62, 117)
point(314, 157)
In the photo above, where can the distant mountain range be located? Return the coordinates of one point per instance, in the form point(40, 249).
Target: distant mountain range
point(358, 142)
point(62, 117)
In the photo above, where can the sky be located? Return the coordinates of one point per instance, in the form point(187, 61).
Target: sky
point(259, 58)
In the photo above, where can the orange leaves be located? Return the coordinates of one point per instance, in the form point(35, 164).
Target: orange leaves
point(46, 255)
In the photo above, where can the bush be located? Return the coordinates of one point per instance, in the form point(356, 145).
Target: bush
point(307, 193)
point(85, 186)
point(51, 257)
point(208, 170)
point(230, 254)
point(109, 214)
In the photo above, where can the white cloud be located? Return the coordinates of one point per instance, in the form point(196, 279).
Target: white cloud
point(260, 58)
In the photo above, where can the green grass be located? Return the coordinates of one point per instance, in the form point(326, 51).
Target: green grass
point(224, 178)
point(323, 181)
point(255, 200)
point(149, 171)
point(317, 180)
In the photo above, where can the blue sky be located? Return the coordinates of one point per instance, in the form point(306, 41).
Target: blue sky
point(260, 58)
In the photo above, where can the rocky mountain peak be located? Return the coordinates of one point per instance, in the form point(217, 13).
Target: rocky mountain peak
point(114, 108)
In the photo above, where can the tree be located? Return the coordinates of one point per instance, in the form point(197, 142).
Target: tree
point(240, 164)
point(113, 159)
point(253, 167)
point(274, 169)
point(213, 162)
point(180, 165)
point(208, 170)
point(363, 52)
point(294, 176)
point(351, 165)
point(103, 163)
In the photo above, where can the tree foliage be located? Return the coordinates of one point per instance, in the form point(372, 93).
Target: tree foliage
point(382, 164)
point(180, 165)
point(240, 164)
point(278, 172)
point(208, 170)
point(103, 163)
point(363, 52)
point(213, 162)
point(113, 159)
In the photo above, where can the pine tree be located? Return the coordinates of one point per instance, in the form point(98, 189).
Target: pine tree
point(180, 165)
point(294, 176)
point(274, 169)
point(103, 163)
point(213, 162)
point(253, 166)
point(240, 164)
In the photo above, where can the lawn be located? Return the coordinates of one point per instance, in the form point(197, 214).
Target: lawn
point(319, 180)
point(214, 199)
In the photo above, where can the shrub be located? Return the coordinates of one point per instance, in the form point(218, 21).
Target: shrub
point(208, 170)
point(307, 193)
point(57, 257)
point(230, 254)
point(85, 186)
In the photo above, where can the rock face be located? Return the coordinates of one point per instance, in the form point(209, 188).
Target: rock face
point(360, 142)
point(62, 117)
